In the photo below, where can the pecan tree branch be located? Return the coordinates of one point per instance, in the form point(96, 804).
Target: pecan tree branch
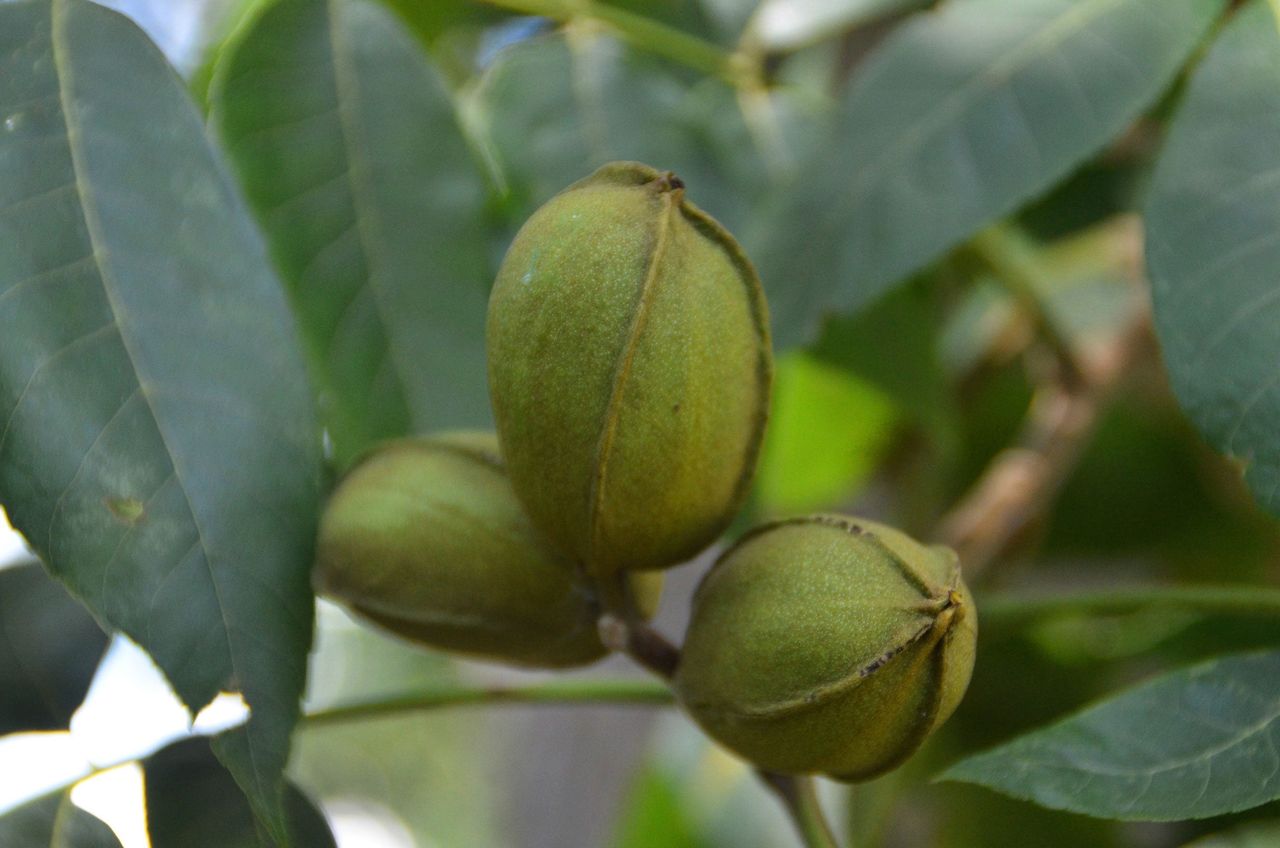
point(1022, 481)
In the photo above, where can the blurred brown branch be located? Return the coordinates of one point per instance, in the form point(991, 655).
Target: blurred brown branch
point(1022, 481)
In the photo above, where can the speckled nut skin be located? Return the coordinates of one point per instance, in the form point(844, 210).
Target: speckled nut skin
point(828, 644)
point(630, 370)
point(425, 538)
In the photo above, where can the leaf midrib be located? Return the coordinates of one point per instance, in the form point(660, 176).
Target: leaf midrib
point(1205, 756)
point(1028, 752)
point(93, 227)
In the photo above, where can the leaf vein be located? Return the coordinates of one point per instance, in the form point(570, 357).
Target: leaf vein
point(89, 259)
point(90, 337)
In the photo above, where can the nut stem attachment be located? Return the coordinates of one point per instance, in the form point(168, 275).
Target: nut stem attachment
point(623, 629)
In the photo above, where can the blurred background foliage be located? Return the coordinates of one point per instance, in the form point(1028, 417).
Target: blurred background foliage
point(890, 401)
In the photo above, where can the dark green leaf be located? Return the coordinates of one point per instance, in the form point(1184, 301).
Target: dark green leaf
point(1213, 249)
point(557, 108)
point(1103, 626)
point(1263, 835)
point(1100, 190)
point(1168, 498)
point(961, 116)
point(972, 818)
point(158, 444)
point(192, 802)
point(1014, 610)
point(893, 344)
point(1195, 743)
point(49, 650)
point(350, 149)
point(688, 15)
point(54, 822)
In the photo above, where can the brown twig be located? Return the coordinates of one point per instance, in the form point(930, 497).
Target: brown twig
point(1022, 481)
point(623, 629)
point(642, 643)
point(1013, 258)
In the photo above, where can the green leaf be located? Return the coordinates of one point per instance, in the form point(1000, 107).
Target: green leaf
point(1213, 249)
point(49, 650)
point(1192, 744)
point(191, 800)
point(557, 108)
point(430, 19)
point(827, 432)
point(1014, 610)
point(718, 799)
point(692, 16)
point(972, 818)
point(457, 33)
point(54, 822)
point(351, 153)
point(236, 15)
point(1257, 835)
point(655, 815)
point(893, 344)
point(960, 117)
point(1167, 496)
point(158, 443)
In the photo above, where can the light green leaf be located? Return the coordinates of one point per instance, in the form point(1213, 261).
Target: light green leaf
point(232, 18)
point(655, 815)
point(961, 116)
point(349, 147)
point(1196, 743)
point(1213, 249)
point(158, 443)
point(827, 432)
point(54, 822)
